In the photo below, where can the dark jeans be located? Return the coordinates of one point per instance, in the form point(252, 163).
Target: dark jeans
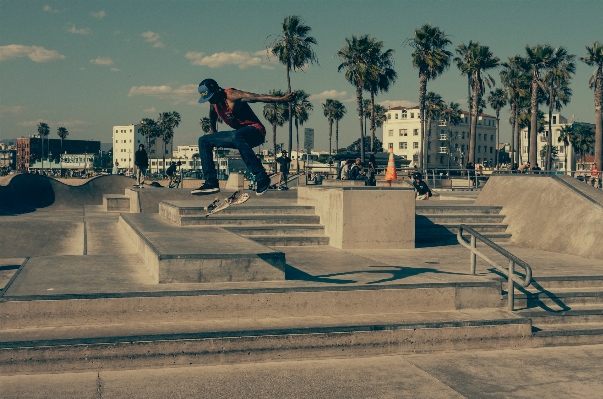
point(243, 139)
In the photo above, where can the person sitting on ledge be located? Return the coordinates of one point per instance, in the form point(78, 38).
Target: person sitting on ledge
point(422, 191)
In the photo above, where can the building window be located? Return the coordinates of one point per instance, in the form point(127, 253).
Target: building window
point(415, 132)
point(404, 114)
point(396, 115)
point(491, 137)
point(561, 149)
point(429, 145)
point(479, 149)
point(390, 133)
point(403, 145)
point(491, 150)
point(390, 145)
point(403, 132)
point(389, 116)
point(415, 144)
point(554, 119)
point(412, 115)
point(479, 136)
point(463, 135)
point(116, 141)
point(415, 157)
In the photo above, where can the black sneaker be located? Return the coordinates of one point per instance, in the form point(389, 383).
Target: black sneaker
point(263, 183)
point(209, 187)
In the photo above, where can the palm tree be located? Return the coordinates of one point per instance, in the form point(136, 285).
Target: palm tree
point(582, 140)
point(480, 59)
point(276, 114)
point(558, 93)
point(301, 107)
point(539, 59)
point(434, 105)
point(565, 136)
point(149, 129)
point(545, 152)
point(358, 65)
point(62, 133)
point(43, 131)
point(294, 50)
point(452, 114)
point(339, 113)
point(516, 84)
point(166, 123)
point(329, 110)
point(205, 124)
point(382, 78)
point(497, 100)
point(595, 58)
point(462, 63)
point(431, 59)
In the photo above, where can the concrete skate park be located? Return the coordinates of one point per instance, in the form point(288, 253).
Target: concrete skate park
point(103, 276)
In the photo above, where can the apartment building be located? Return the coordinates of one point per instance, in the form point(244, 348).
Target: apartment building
point(558, 123)
point(29, 150)
point(447, 146)
point(126, 140)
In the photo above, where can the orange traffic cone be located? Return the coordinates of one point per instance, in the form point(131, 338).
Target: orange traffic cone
point(390, 173)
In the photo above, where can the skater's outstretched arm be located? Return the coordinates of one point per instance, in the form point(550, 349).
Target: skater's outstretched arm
point(245, 97)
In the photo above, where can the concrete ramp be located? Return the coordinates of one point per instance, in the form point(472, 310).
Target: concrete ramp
point(548, 213)
point(28, 192)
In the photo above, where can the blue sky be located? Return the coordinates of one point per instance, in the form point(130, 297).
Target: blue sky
point(90, 65)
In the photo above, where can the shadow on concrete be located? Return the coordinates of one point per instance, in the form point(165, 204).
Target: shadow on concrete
point(26, 193)
point(430, 234)
point(397, 273)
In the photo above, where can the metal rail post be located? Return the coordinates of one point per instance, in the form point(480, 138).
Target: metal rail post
point(511, 286)
point(473, 256)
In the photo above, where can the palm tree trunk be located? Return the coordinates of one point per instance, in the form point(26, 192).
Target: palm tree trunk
point(473, 135)
point(549, 140)
point(360, 116)
point(297, 145)
point(513, 122)
point(290, 111)
point(517, 136)
point(42, 137)
point(422, 91)
point(427, 138)
point(598, 122)
point(337, 136)
point(330, 134)
point(565, 157)
point(274, 143)
point(372, 121)
point(533, 152)
point(497, 137)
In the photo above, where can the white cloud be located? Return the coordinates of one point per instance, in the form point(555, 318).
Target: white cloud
point(185, 93)
point(49, 9)
point(115, 69)
point(243, 59)
point(102, 61)
point(34, 53)
point(100, 15)
point(83, 31)
point(331, 94)
point(11, 110)
point(397, 103)
point(153, 37)
point(152, 110)
point(69, 124)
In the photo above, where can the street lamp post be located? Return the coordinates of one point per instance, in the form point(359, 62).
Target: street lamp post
point(50, 161)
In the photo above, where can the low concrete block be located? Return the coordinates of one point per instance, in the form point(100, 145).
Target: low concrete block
point(235, 181)
point(364, 217)
point(116, 203)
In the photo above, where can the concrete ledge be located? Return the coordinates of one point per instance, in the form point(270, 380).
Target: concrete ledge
point(175, 255)
point(343, 183)
point(116, 203)
point(236, 181)
point(364, 217)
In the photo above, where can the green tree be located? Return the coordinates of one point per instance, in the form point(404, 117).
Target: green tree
point(462, 63)
point(556, 81)
point(480, 60)
point(565, 138)
point(340, 112)
point(328, 111)
point(497, 100)
point(431, 58)
point(294, 50)
point(43, 131)
point(516, 84)
point(62, 133)
point(149, 129)
point(205, 124)
point(301, 107)
point(358, 65)
point(434, 105)
point(355, 146)
point(382, 78)
point(166, 124)
point(276, 114)
point(583, 140)
point(548, 152)
point(595, 58)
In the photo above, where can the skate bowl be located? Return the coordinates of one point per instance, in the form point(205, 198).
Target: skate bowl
point(551, 213)
point(26, 193)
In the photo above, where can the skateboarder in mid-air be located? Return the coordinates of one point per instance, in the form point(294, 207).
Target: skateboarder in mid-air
point(231, 105)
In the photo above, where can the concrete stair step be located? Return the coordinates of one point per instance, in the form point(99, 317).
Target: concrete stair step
point(558, 300)
point(269, 210)
point(552, 282)
point(453, 228)
point(116, 203)
point(576, 315)
point(287, 241)
point(421, 237)
point(457, 209)
point(458, 219)
point(288, 230)
point(568, 334)
point(242, 220)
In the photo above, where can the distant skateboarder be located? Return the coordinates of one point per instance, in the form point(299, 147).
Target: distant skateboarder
point(284, 162)
point(231, 105)
point(141, 160)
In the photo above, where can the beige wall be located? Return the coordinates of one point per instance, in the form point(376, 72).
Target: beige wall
point(543, 213)
point(360, 218)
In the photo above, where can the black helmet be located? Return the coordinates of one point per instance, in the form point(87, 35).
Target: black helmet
point(417, 176)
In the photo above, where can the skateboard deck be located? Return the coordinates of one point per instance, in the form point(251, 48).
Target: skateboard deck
point(235, 199)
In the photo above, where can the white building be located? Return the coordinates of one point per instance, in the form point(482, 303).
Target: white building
point(126, 140)
point(185, 151)
point(558, 123)
point(446, 145)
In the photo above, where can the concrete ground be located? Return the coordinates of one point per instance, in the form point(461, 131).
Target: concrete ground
point(561, 372)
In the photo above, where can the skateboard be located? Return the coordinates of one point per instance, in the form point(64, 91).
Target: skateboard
point(235, 199)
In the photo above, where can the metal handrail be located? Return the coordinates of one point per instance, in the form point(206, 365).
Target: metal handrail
point(509, 271)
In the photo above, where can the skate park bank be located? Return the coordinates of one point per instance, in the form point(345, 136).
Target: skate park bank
point(309, 272)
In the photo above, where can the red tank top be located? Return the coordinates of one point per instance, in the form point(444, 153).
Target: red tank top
point(240, 118)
